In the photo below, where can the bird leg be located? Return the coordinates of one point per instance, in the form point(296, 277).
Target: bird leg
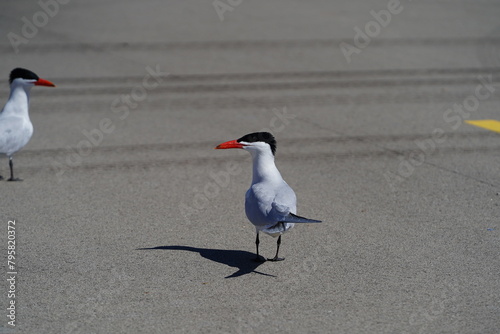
point(258, 258)
point(276, 258)
point(11, 165)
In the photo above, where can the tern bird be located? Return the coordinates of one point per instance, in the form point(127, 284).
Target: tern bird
point(270, 203)
point(15, 125)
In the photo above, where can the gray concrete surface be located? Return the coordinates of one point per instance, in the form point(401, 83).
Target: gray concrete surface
point(130, 232)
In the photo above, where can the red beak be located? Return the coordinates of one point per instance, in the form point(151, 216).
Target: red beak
point(229, 144)
point(43, 82)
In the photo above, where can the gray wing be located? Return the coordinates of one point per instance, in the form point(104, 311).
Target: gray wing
point(284, 206)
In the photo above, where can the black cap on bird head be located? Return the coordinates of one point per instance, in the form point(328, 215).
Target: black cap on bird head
point(265, 137)
point(23, 74)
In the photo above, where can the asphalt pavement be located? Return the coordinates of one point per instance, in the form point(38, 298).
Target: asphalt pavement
point(128, 221)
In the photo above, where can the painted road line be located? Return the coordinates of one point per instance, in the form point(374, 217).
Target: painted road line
point(489, 124)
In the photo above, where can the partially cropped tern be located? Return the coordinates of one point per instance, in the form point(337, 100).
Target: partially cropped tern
point(270, 203)
point(15, 125)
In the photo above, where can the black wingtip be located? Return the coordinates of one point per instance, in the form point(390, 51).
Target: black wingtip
point(307, 219)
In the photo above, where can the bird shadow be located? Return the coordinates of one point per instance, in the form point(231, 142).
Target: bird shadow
point(244, 261)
